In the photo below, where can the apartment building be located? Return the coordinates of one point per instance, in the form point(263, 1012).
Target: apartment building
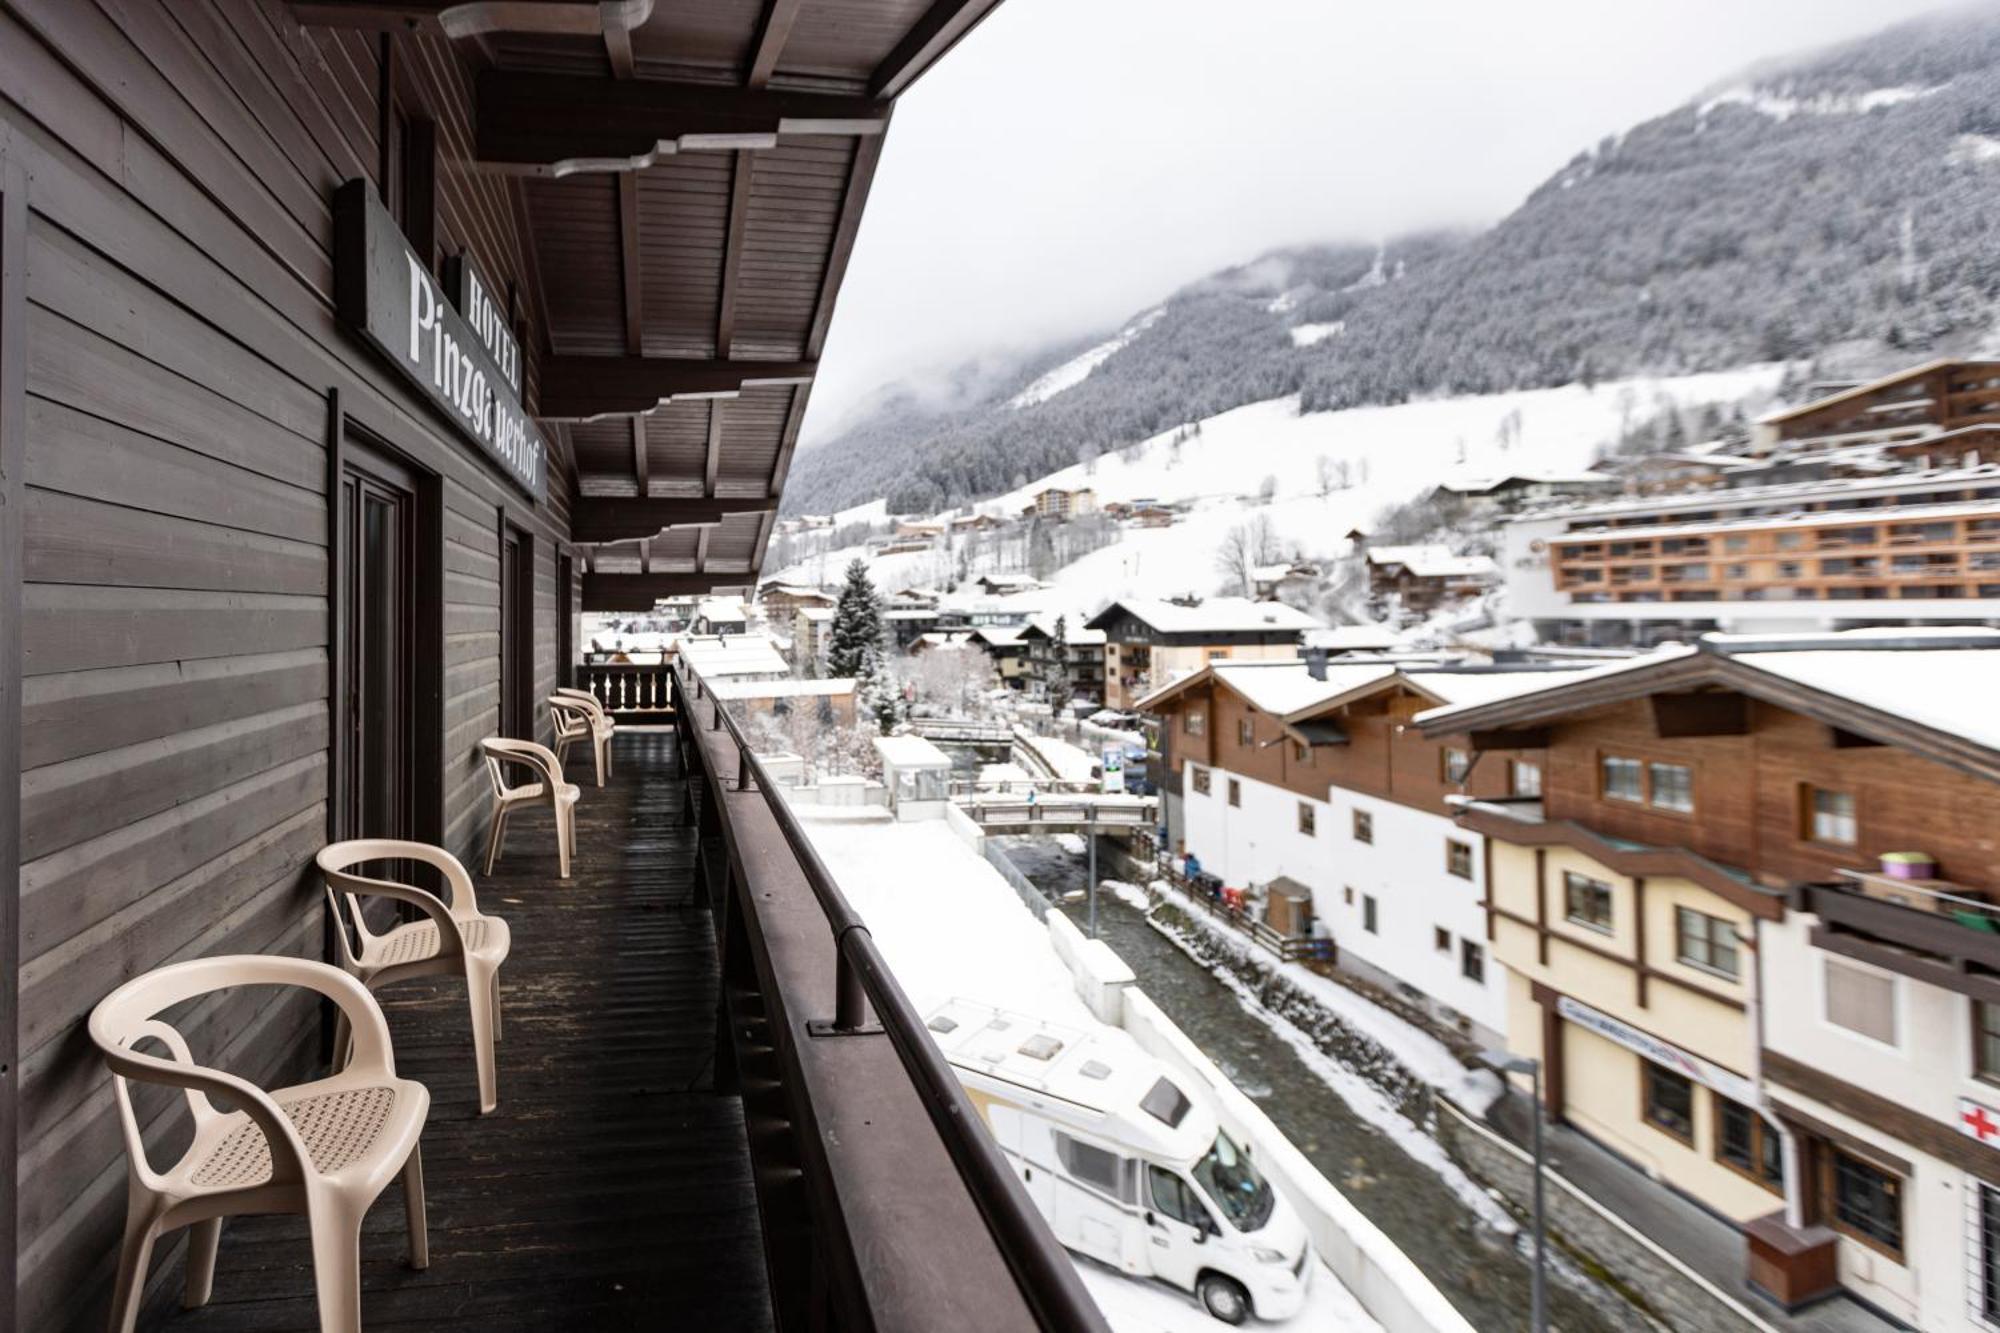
point(1061, 505)
point(1905, 548)
point(1930, 399)
point(1078, 657)
point(1150, 643)
point(1724, 984)
point(1313, 773)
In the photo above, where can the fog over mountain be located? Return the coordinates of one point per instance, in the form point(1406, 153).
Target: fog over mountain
point(1833, 206)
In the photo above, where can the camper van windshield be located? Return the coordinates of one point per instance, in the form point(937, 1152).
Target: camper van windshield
point(1239, 1191)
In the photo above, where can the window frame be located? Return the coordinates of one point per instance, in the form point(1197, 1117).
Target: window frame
point(1236, 793)
point(1828, 963)
point(1472, 961)
point(1572, 880)
point(1651, 1074)
point(1371, 917)
point(1194, 723)
point(1308, 820)
point(1682, 955)
point(1809, 815)
point(1246, 732)
point(1604, 785)
point(1761, 1130)
point(1653, 801)
point(1515, 768)
point(1198, 778)
point(1363, 827)
point(1982, 1070)
point(1454, 765)
point(1453, 849)
point(1831, 1157)
point(1440, 940)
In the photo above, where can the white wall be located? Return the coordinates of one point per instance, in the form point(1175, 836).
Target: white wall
point(1928, 1068)
point(1403, 869)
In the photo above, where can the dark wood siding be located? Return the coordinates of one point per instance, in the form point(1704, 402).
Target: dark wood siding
point(181, 347)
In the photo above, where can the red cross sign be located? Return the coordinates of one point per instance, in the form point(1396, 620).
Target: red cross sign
point(1981, 1122)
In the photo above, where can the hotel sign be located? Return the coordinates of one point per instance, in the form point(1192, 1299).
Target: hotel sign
point(465, 360)
point(1663, 1053)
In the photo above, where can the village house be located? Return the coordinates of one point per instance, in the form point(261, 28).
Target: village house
point(1003, 644)
point(1150, 642)
point(779, 600)
point(1427, 576)
point(812, 630)
point(1507, 491)
point(1716, 947)
point(1311, 772)
point(1060, 505)
point(1271, 582)
point(1079, 657)
point(1925, 400)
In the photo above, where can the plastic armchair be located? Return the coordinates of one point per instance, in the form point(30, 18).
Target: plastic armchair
point(455, 939)
point(548, 789)
point(575, 723)
point(601, 721)
point(325, 1149)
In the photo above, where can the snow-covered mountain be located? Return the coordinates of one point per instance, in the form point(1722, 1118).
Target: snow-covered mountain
point(1326, 472)
point(1833, 206)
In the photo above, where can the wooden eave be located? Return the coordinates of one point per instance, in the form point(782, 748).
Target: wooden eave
point(1712, 669)
point(1676, 862)
point(690, 178)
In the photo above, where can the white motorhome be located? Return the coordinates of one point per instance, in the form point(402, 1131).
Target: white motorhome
point(1129, 1167)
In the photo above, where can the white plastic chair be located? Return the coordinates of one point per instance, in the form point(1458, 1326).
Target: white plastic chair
point(575, 723)
point(456, 940)
point(548, 789)
point(326, 1149)
point(602, 723)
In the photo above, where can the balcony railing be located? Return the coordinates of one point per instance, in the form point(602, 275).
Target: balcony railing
point(886, 1204)
point(1930, 929)
point(630, 691)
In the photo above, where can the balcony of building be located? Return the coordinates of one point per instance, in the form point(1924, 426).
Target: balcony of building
point(712, 1114)
point(1934, 930)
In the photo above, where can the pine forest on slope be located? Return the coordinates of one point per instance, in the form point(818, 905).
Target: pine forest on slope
point(1833, 206)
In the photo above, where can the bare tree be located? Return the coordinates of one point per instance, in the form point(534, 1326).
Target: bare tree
point(1235, 558)
point(1323, 469)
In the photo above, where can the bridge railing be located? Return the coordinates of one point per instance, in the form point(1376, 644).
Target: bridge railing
point(885, 1203)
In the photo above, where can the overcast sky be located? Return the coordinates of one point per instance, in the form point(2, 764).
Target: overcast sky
point(1075, 160)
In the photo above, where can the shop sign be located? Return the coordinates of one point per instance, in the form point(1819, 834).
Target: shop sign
point(1662, 1053)
point(387, 294)
point(473, 296)
point(1978, 1121)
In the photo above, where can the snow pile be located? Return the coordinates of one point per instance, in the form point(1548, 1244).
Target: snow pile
point(1077, 369)
point(1070, 763)
point(1128, 893)
point(1306, 335)
point(1779, 105)
point(1973, 149)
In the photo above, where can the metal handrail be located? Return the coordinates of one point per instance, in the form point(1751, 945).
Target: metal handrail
point(1042, 1268)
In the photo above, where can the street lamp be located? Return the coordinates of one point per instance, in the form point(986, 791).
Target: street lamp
point(1505, 1062)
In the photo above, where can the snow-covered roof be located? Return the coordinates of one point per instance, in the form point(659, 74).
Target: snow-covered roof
point(945, 638)
point(1818, 518)
point(1857, 391)
point(1228, 615)
point(1000, 636)
point(1076, 634)
point(1743, 497)
point(733, 655)
point(816, 613)
point(1940, 678)
point(721, 608)
point(1480, 687)
point(1432, 561)
point(911, 613)
point(781, 689)
point(1483, 485)
point(909, 751)
point(1284, 688)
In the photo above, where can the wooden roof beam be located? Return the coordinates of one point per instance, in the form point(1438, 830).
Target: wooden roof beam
point(940, 29)
point(772, 33)
point(472, 18)
point(638, 592)
point(640, 464)
point(556, 124)
point(584, 388)
point(595, 519)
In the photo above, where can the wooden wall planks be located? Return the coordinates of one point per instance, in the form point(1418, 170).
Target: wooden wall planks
point(167, 347)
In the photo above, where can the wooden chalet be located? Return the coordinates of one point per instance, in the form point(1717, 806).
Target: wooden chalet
point(1936, 396)
point(348, 350)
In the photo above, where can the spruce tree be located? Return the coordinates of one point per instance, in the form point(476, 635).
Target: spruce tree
point(857, 625)
point(1060, 689)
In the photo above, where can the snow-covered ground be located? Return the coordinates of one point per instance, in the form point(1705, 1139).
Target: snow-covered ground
point(1392, 454)
point(1077, 369)
point(951, 926)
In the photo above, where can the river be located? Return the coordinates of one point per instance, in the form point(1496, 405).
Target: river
point(1476, 1269)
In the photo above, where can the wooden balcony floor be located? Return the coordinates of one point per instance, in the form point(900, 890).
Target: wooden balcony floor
point(612, 1187)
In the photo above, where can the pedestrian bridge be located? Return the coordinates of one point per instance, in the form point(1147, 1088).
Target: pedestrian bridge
point(1004, 812)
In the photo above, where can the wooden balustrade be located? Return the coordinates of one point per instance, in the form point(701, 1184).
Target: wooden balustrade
point(630, 692)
